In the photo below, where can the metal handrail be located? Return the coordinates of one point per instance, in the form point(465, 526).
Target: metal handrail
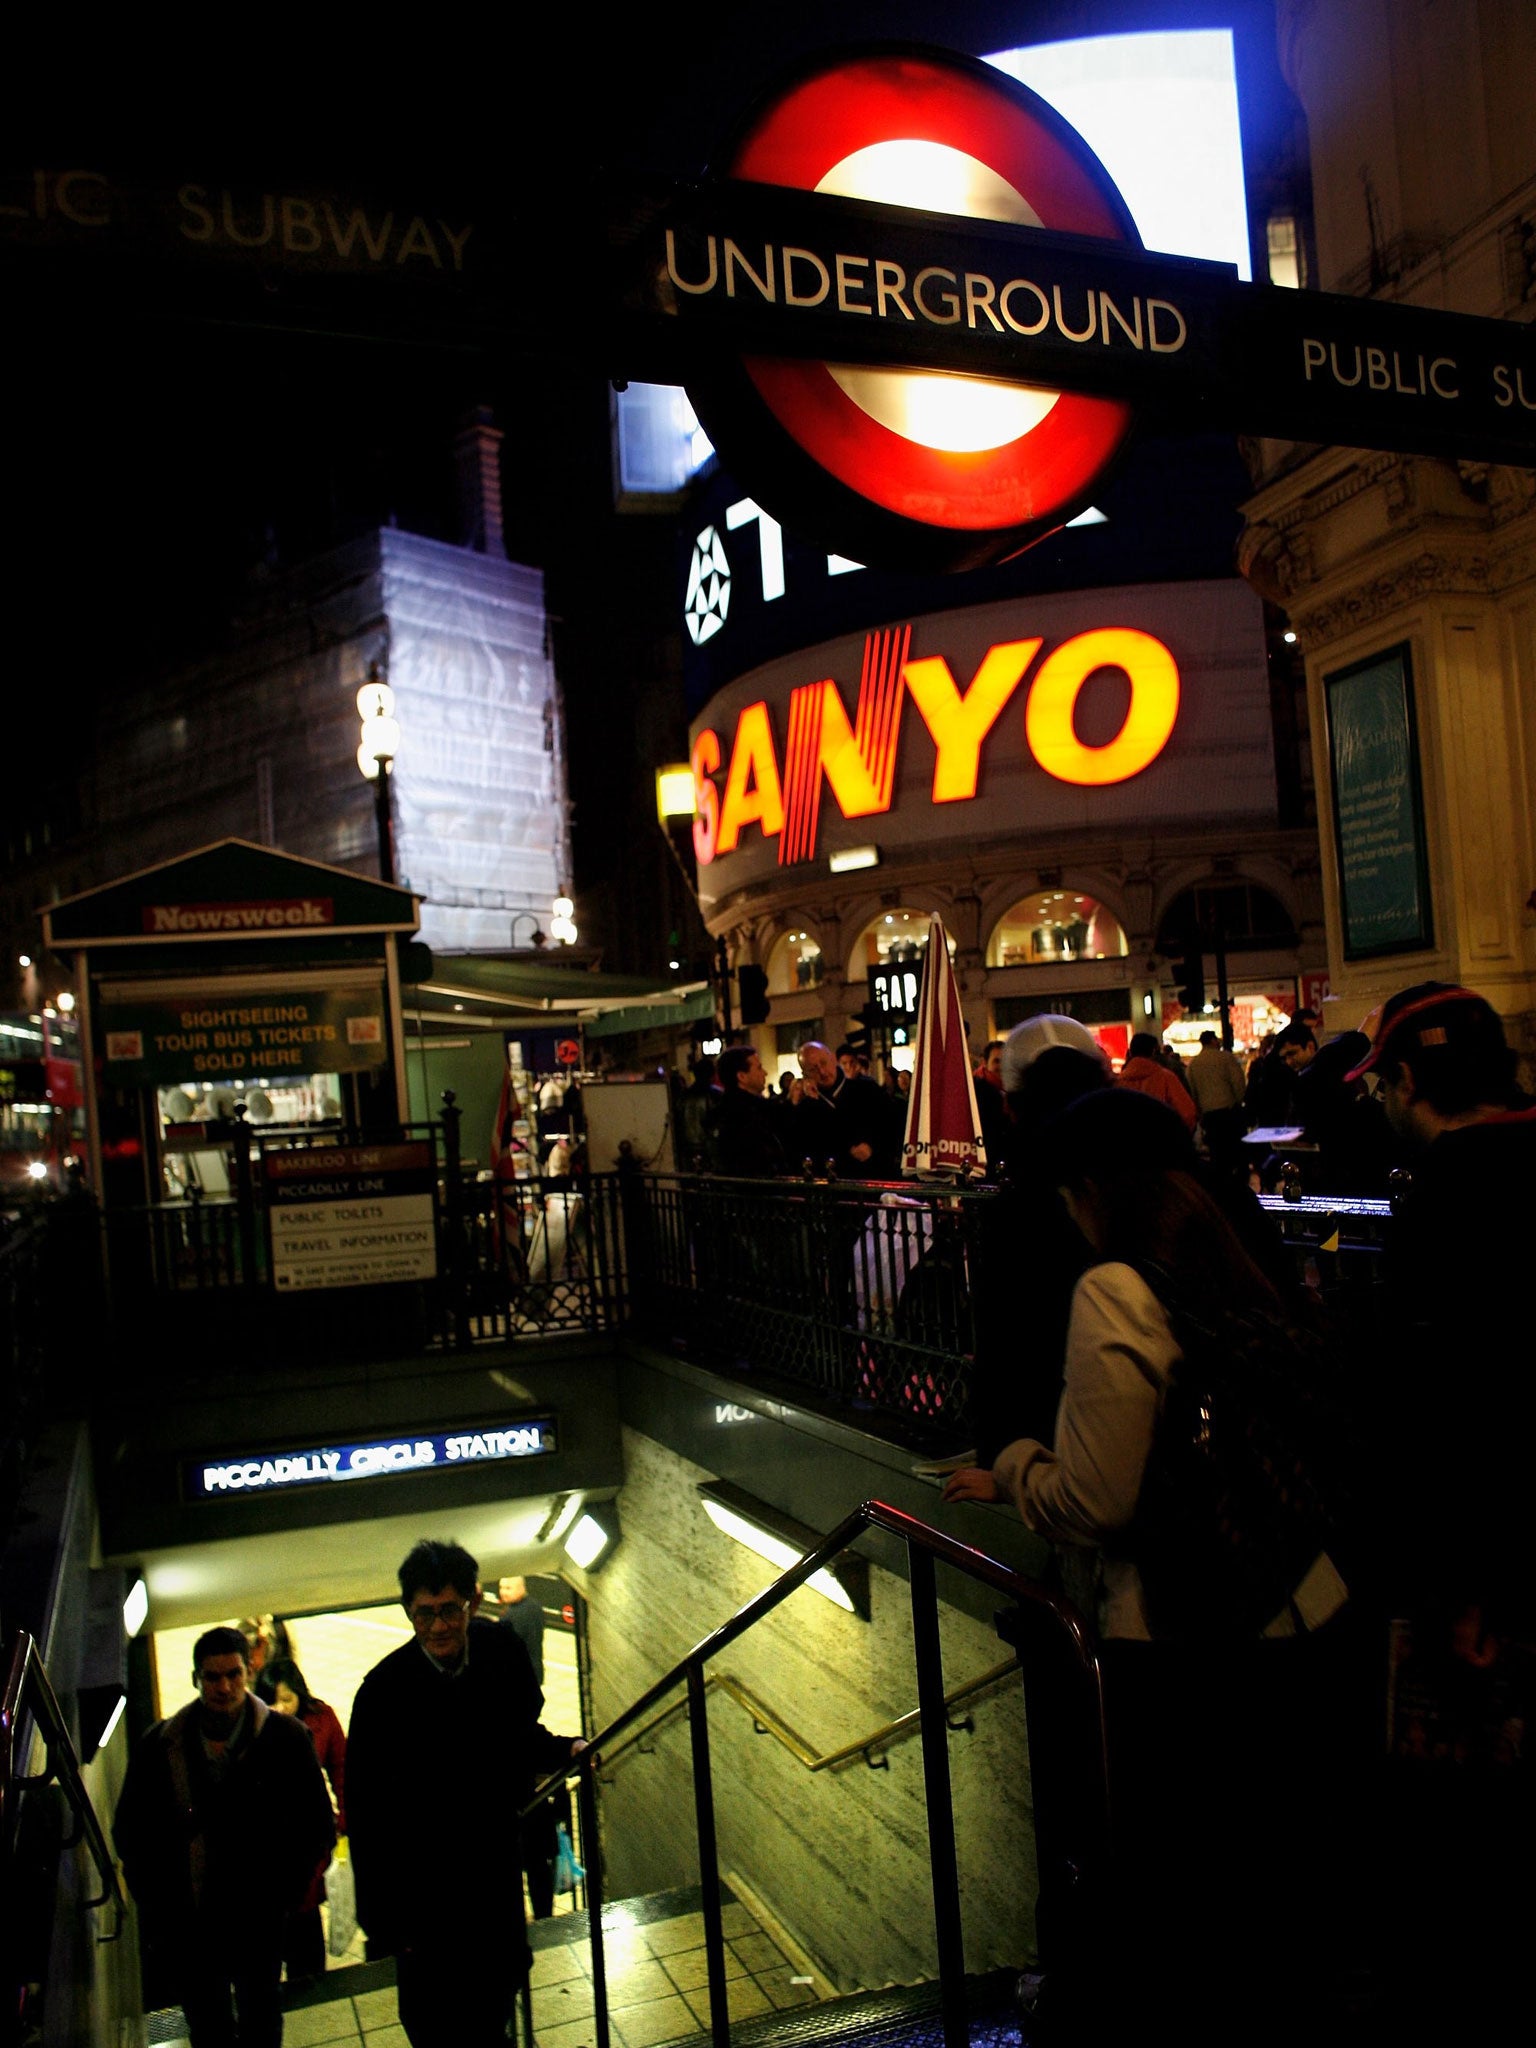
point(770, 1722)
point(28, 1691)
point(1073, 1812)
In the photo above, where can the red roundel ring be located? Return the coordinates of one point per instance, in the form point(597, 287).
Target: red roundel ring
point(878, 487)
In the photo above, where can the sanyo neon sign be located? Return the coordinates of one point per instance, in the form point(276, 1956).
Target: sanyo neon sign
point(780, 793)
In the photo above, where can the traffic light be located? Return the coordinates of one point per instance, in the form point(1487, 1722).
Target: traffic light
point(753, 984)
point(1189, 974)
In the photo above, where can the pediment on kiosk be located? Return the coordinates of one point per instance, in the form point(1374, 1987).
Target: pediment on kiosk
point(231, 890)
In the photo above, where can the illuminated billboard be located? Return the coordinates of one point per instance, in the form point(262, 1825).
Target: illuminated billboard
point(1041, 715)
point(1159, 110)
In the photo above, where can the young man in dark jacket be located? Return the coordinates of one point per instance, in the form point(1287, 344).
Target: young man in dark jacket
point(438, 1866)
point(223, 1822)
point(1455, 1416)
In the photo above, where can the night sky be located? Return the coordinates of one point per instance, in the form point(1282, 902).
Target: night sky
point(156, 461)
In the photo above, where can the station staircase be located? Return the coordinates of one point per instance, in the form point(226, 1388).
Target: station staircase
point(712, 1961)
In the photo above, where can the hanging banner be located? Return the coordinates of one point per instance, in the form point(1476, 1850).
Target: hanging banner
point(1378, 811)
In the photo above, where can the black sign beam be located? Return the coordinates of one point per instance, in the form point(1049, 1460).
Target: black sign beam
point(758, 269)
point(657, 281)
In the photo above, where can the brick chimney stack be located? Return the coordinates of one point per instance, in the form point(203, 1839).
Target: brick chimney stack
point(477, 447)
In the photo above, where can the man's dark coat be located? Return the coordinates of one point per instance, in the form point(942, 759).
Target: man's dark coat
point(437, 1767)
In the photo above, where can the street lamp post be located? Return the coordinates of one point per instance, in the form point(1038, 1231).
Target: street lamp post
point(562, 925)
point(675, 798)
point(379, 744)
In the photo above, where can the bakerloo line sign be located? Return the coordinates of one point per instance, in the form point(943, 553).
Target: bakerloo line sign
point(857, 760)
point(915, 315)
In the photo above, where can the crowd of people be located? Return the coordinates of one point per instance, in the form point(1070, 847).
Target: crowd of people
point(1322, 1800)
point(1293, 1101)
point(833, 1117)
point(1304, 1549)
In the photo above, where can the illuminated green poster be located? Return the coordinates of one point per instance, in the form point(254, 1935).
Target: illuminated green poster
point(1378, 811)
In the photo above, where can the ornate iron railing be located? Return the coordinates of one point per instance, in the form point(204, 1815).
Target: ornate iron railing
point(858, 1293)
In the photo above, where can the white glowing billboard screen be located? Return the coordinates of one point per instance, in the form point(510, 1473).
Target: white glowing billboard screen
point(1159, 111)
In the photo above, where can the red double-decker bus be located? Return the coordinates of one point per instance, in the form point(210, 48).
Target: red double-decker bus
point(42, 1104)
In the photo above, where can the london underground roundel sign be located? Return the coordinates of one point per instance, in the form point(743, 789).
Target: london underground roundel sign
point(910, 467)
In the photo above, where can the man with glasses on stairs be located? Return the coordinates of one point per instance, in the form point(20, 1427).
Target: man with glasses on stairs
point(438, 1865)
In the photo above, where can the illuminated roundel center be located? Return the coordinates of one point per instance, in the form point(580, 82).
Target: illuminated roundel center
point(950, 453)
point(962, 415)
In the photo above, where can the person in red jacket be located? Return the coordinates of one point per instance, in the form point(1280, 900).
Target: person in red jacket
point(1145, 1072)
point(304, 1938)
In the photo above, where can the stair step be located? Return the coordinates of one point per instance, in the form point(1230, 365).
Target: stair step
point(901, 2016)
point(620, 1914)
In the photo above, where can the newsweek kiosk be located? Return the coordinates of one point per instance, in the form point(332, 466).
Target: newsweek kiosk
point(233, 975)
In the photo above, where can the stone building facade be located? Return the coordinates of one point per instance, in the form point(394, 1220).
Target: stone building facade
point(1424, 191)
point(259, 742)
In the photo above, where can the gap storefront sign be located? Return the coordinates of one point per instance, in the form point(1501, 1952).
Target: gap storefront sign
point(1041, 715)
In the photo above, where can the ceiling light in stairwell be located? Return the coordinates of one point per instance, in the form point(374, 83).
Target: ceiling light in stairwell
point(783, 1541)
point(136, 1607)
point(112, 1721)
point(562, 1513)
point(593, 1535)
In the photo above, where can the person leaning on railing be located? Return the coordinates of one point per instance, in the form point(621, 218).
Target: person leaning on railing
point(1227, 1745)
point(747, 1142)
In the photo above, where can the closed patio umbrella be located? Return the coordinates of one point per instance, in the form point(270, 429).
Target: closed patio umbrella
point(943, 1128)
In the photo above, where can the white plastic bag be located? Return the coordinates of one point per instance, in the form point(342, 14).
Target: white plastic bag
point(341, 1898)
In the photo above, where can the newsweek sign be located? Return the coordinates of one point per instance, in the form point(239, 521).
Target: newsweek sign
point(272, 914)
point(1108, 710)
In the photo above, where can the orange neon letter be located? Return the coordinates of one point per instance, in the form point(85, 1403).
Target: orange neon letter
point(706, 798)
point(959, 723)
point(859, 761)
point(1154, 680)
point(752, 793)
point(855, 781)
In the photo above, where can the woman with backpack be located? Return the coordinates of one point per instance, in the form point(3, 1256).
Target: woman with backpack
point(1190, 1494)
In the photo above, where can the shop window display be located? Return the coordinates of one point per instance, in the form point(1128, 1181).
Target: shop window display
point(893, 936)
point(794, 965)
point(1055, 927)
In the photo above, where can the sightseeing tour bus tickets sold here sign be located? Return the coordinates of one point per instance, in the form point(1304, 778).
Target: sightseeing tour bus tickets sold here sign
point(206, 1036)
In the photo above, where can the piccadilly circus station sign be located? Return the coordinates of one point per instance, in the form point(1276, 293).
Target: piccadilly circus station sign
point(916, 318)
